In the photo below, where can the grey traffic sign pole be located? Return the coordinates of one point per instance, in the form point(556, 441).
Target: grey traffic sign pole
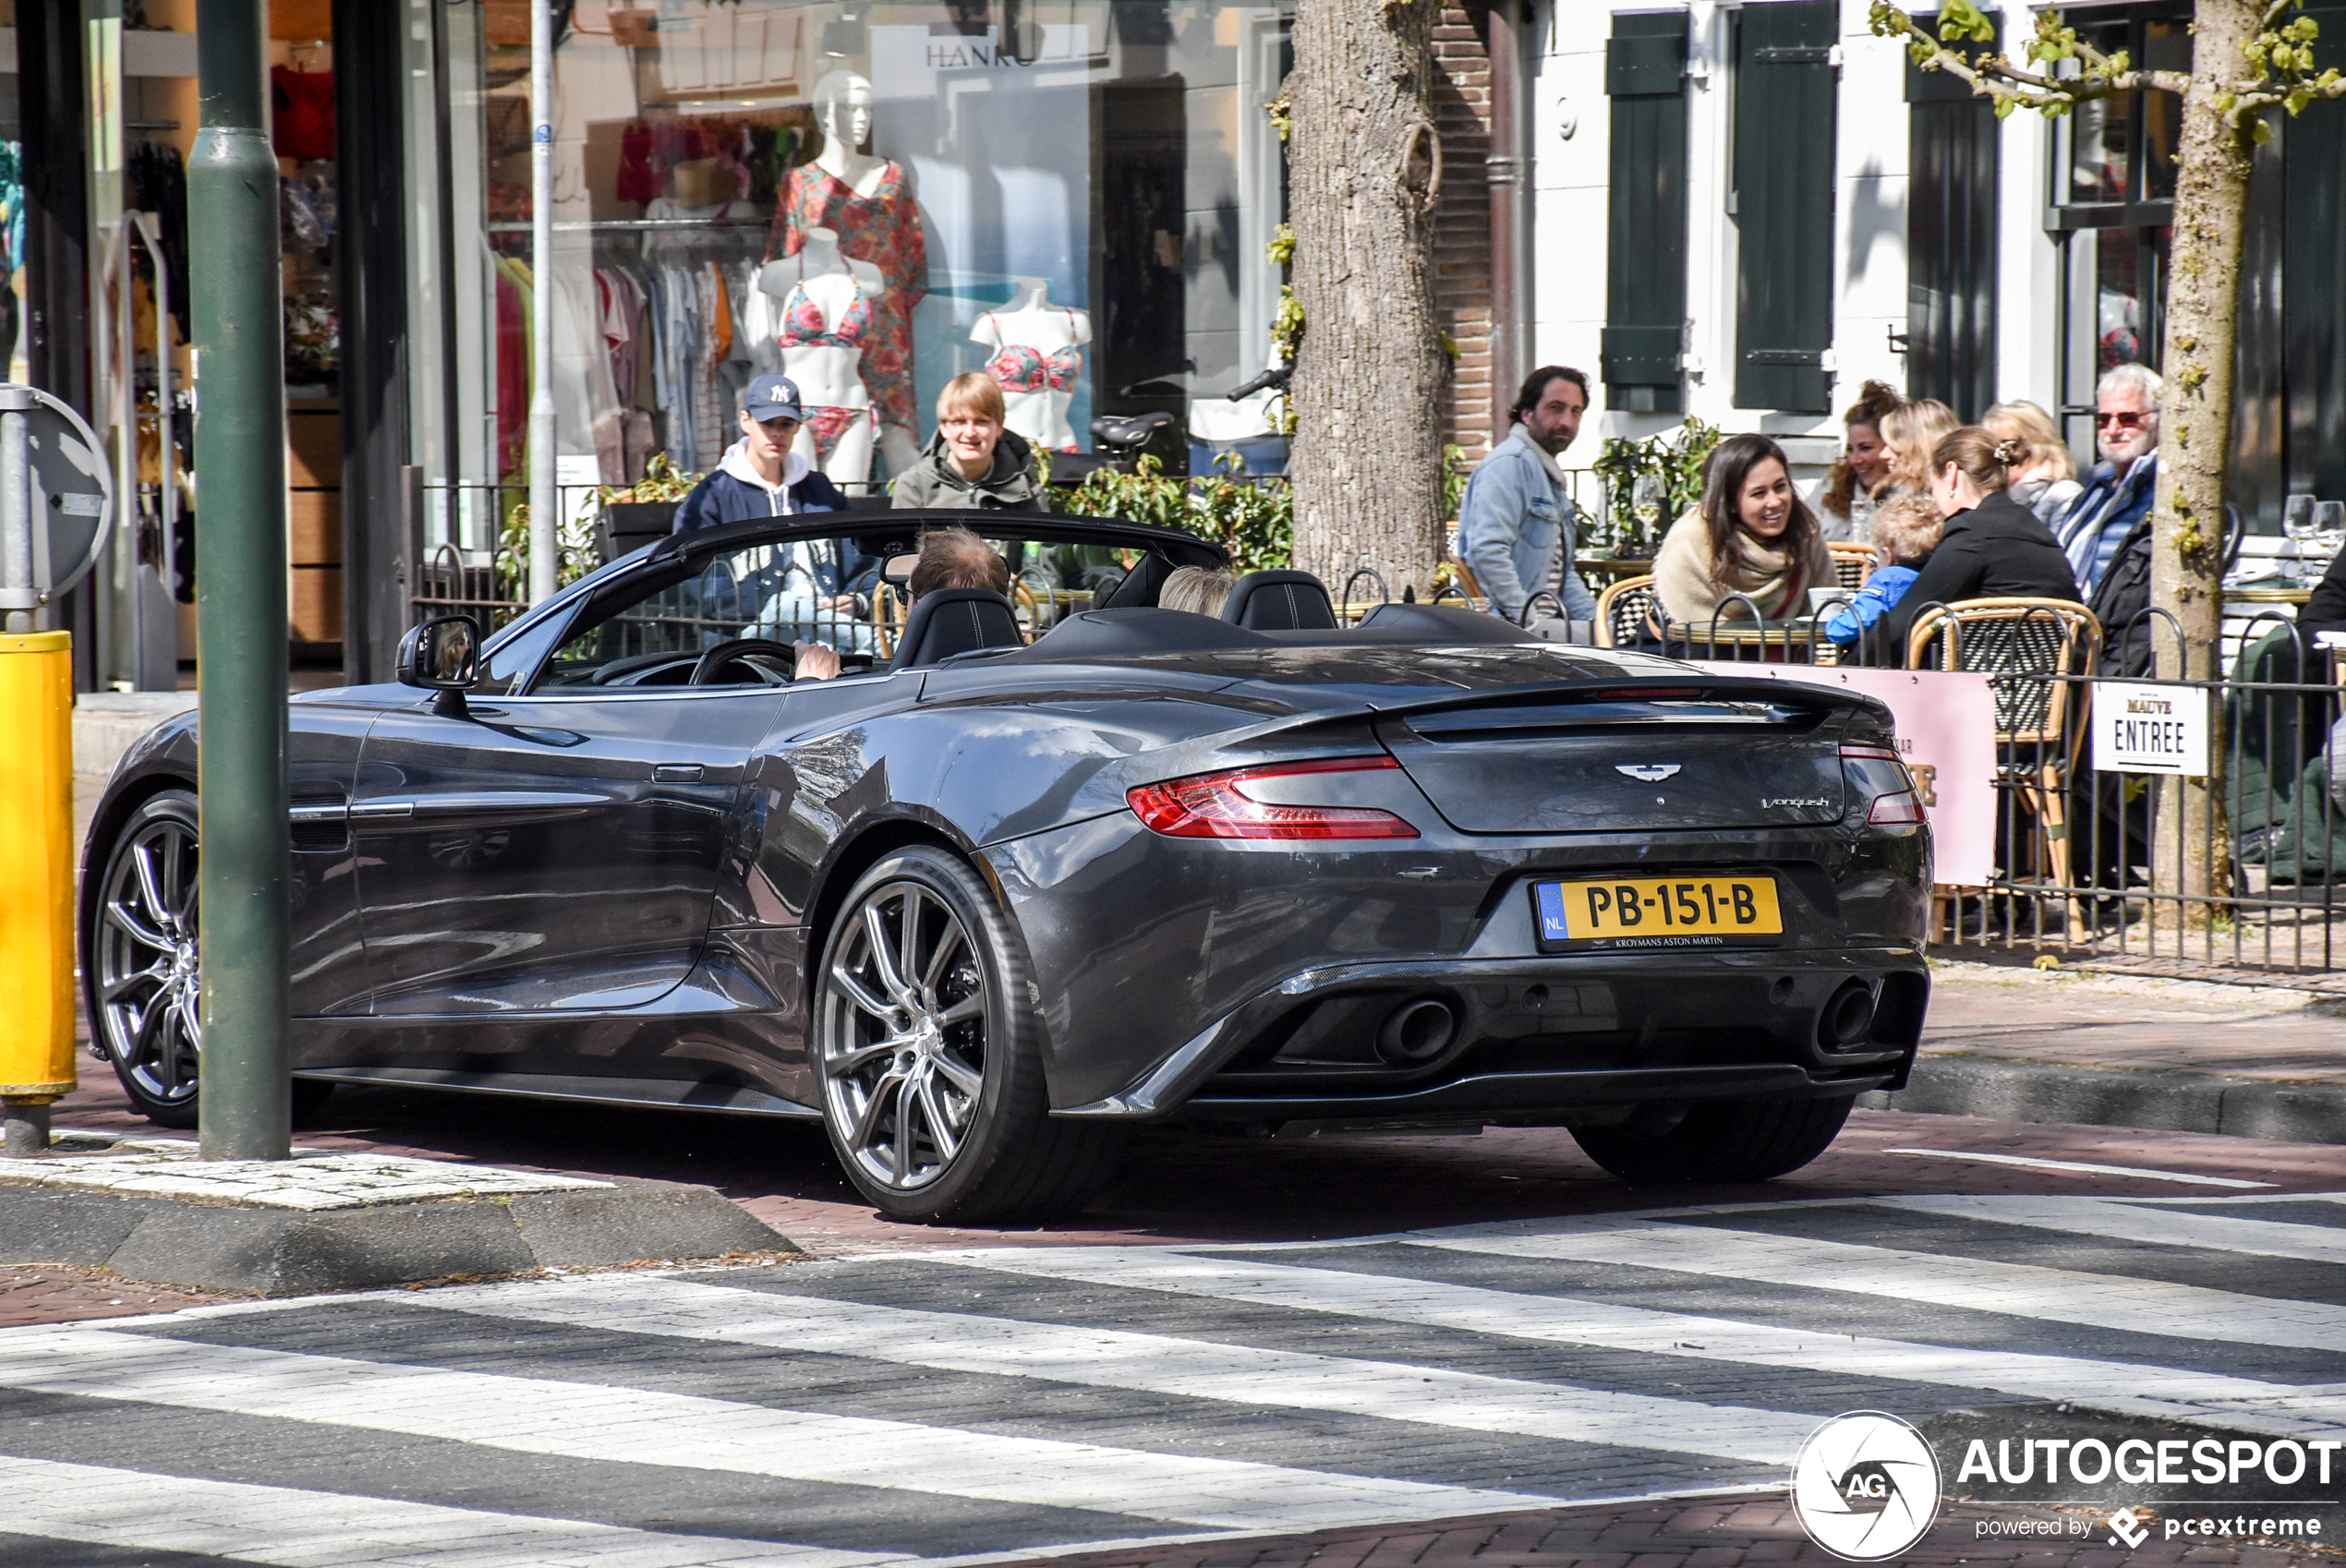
point(18, 595)
point(246, 1106)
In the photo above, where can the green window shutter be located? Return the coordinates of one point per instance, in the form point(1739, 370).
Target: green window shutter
point(1782, 204)
point(1646, 229)
point(1951, 242)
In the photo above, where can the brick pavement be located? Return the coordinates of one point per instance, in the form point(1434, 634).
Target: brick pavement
point(2139, 1024)
point(1701, 1533)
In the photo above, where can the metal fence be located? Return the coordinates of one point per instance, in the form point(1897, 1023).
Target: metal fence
point(2238, 868)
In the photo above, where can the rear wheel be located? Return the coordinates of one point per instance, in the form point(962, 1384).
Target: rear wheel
point(143, 973)
point(930, 1054)
point(1727, 1142)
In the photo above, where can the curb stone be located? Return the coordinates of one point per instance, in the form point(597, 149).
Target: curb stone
point(281, 1252)
point(2158, 1102)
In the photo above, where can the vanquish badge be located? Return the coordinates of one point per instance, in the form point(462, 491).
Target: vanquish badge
point(1651, 772)
point(1865, 1486)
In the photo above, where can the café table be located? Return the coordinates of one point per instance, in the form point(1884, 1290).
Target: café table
point(1798, 640)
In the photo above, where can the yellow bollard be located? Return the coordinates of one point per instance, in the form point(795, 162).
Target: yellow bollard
point(36, 882)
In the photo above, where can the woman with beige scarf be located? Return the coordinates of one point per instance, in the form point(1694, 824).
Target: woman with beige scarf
point(1752, 536)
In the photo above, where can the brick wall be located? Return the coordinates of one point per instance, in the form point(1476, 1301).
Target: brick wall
point(1462, 222)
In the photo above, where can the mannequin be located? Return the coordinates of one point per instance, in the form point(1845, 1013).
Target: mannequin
point(826, 307)
point(867, 202)
point(1036, 361)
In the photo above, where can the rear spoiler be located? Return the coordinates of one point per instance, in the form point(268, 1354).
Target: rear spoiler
point(1694, 687)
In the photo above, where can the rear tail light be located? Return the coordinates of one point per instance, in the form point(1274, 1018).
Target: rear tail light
point(1217, 805)
point(1877, 777)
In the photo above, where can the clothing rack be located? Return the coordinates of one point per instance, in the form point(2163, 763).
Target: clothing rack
point(573, 225)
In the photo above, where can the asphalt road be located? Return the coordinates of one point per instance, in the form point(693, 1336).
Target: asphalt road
point(1339, 1351)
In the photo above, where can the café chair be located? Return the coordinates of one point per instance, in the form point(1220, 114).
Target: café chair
point(1852, 564)
point(1624, 612)
point(2039, 652)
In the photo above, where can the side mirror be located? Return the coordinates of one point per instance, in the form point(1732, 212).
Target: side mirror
point(443, 655)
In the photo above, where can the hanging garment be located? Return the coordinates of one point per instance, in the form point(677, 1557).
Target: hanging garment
point(512, 371)
point(711, 407)
point(637, 179)
point(803, 325)
point(586, 398)
point(883, 228)
point(303, 127)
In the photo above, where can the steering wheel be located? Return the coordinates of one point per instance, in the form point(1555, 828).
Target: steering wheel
point(705, 672)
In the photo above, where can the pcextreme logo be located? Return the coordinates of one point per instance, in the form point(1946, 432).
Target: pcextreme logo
point(1865, 1486)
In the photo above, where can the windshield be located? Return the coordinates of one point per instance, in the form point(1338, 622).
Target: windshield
point(651, 629)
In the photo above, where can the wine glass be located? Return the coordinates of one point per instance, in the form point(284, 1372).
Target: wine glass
point(2297, 522)
point(2329, 528)
point(1645, 501)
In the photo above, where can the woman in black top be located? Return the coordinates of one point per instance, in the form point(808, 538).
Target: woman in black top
point(1993, 546)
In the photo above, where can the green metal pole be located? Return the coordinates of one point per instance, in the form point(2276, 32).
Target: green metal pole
point(245, 1110)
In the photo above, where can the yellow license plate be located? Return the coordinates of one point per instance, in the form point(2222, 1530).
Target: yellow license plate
point(1637, 911)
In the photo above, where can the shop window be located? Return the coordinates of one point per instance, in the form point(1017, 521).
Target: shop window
point(1070, 196)
point(1782, 203)
point(1646, 230)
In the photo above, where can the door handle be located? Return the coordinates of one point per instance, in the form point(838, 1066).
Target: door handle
point(676, 773)
point(369, 811)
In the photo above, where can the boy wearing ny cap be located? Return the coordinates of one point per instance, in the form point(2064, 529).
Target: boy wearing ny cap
point(812, 593)
point(760, 476)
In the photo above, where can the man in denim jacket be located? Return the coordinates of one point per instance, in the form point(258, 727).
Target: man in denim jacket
point(1517, 518)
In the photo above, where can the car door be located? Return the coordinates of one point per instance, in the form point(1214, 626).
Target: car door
point(327, 967)
point(546, 851)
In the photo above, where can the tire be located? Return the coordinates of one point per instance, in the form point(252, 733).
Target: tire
point(1754, 1141)
point(142, 980)
point(142, 985)
point(931, 1073)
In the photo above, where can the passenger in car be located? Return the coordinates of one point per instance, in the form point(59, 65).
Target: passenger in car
point(950, 558)
point(1196, 590)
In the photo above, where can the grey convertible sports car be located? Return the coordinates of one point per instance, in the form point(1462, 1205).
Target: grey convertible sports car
point(988, 899)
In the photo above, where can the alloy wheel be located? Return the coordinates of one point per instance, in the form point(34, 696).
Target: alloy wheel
point(905, 1035)
point(149, 982)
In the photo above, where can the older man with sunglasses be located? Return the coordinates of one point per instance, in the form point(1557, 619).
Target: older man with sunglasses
point(2118, 492)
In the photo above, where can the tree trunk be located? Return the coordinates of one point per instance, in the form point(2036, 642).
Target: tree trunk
point(2191, 852)
point(1364, 170)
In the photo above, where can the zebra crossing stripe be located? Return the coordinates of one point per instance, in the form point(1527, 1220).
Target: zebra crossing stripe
point(2173, 1393)
point(2117, 1219)
point(1155, 1363)
point(1978, 1284)
point(591, 1421)
point(137, 1511)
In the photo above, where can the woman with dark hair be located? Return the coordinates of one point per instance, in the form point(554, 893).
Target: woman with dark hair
point(1752, 536)
point(1852, 490)
point(1993, 546)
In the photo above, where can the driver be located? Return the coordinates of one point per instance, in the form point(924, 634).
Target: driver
point(950, 558)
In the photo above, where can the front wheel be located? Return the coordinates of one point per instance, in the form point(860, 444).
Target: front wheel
point(145, 990)
point(142, 969)
point(930, 1052)
point(1727, 1142)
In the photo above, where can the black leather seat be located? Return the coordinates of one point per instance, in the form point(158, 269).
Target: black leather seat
point(1281, 601)
point(954, 621)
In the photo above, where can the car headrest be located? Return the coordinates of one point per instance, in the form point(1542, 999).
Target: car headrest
point(953, 621)
point(1281, 601)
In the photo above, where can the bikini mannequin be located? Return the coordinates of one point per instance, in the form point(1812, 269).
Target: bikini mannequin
point(866, 202)
point(1035, 362)
point(838, 435)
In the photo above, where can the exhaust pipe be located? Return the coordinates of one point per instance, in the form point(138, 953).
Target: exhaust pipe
point(1416, 1032)
point(1847, 1018)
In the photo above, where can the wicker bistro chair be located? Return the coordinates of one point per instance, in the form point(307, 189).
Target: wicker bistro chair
point(1852, 564)
point(1622, 610)
point(2039, 651)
